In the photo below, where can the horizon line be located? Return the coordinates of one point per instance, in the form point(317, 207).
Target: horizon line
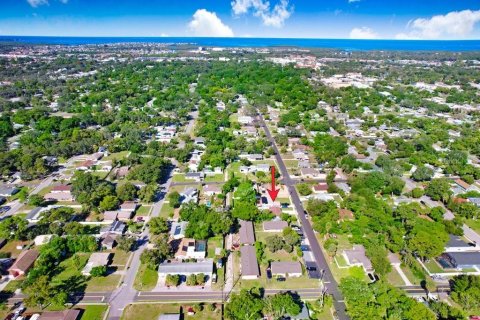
point(234, 37)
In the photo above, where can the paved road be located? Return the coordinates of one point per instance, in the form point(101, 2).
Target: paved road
point(126, 294)
point(329, 281)
point(200, 296)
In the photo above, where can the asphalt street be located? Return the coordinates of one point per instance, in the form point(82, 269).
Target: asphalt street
point(328, 279)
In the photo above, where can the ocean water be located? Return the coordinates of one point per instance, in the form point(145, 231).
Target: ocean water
point(343, 44)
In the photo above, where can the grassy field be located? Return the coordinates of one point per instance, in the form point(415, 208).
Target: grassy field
point(433, 266)
point(180, 177)
point(474, 224)
point(94, 312)
point(11, 247)
point(145, 279)
point(100, 284)
point(117, 155)
point(413, 279)
point(153, 311)
point(143, 210)
point(71, 267)
point(120, 258)
point(214, 242)
point(12, 286)
point(289, 283)
point(394, 278)
point(166, 211)
point(291, 163)
point(215, 178)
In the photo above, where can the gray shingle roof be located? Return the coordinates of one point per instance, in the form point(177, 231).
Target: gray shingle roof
point(249, 261)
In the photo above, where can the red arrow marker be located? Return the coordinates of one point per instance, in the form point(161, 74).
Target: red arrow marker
point(274, 192)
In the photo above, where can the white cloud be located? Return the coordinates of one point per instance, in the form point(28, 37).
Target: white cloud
point(207, 24)
point(273, 17)
point(453, 25)
point(36, 3)
point(352, 1)
point(363, 33)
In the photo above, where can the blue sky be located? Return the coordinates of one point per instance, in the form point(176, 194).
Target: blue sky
point(383, 19)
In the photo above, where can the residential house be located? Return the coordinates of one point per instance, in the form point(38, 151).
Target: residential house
point(320, 188)
point(177, 229)
point(245, 120)
point(121, 172)
point(286, 269)
point(461, 260)
point(117, 227)
point(169, 316)
point(357, 257)
point(247, 234)
point(86, 165)
point(97, 259)
point(68, 314)
point(191, 249)
point(310, 173)
point(300, 155)
point(211, 190)
point(249, 264)
point(109, 241)
point(60, 193)
point(110, 216)
point(185, 269)
point(274, 225)
point(196, 176)
point(251, 157)
point(105, 166)
point(23, 263)
point(8, 190)
point(189, 195)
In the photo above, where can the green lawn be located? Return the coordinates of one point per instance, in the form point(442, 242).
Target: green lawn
point(143, 210)
point(166, 211)
point(94, 312)
point(413, 279)
point(433, 266)
point(11, 247)
point(214, 242)
point(291, 163)
point(117, 155)
point(474, 224)
point(180, 177)
point(154, 310)
point(394, 278)
point(100, 284)
point(120, 258)
point(289, 283)
point(12, 286)
point(215, 178)
point(70, 267)
point(145, 279)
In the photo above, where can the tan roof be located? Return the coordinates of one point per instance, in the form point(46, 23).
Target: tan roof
point(25, 260)
point(71, 314)
point(345, 214)
point(61, 188)
point(462, 183)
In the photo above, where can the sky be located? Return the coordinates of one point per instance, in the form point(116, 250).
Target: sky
point(356, 19)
